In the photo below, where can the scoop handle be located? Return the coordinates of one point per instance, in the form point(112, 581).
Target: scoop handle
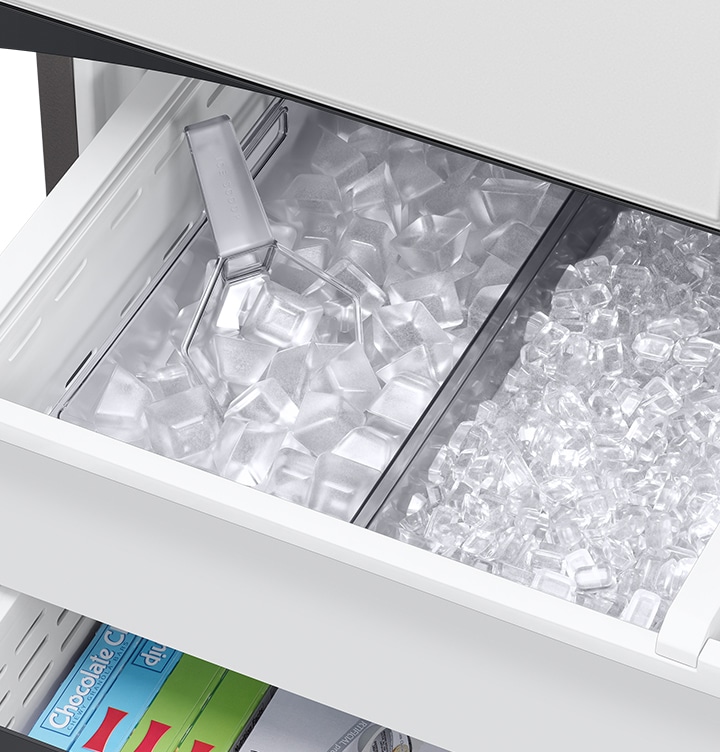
point(234, 210)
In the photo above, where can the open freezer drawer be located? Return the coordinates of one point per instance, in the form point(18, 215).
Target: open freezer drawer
point(268, 588)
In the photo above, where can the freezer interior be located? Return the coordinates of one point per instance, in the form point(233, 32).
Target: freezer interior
point(579, 457)
point(41, 644)
point(304, 377)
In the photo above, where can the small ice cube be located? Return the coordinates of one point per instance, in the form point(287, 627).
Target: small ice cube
point(402, 401)
point(339, 486)
point(371, 142)
point(432, 243)
point(183, 424)
point(642, 608)
point(375, 196)
point(438, 294)
point(241, 362)
point(323, 420)
point(169, 380)
point(594, 577)
point(281, 317)
point(291, 475)
point(653, 346)
point(553, 583)
point(246, 450)
point(264, 402)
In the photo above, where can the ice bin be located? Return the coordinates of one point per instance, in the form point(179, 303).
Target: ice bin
point(220, 549)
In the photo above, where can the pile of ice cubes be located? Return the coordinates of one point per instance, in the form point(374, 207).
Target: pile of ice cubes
point(280, 394)
point(593, 474)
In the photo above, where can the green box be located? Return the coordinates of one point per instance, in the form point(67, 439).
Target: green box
point(232, 706)
point(176, 706)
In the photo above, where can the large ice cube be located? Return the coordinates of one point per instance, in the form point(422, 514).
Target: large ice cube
point(339, 486)
point(367, 243)
point(239, 361)
point(119, 411)
point(323, 420)
point(508, 198)
point(170, 379)
point(402, 401)
point(432, 363)
point(291, 475)
point(413, 177)
point(437, 292)
point(339, 305)
point(483, 304)
point(281, 317)
point(511, 242)
point(400, 327)
point(349, 375)
point(339, 160)
point(295, 277)
point(462, 200)
point(375, 196)
point(371, 142)
point(315, 193)
point(368, 446)
point(183, 424)
point(432, 243)
point(290, 369)
point(246, 450)
point(264, 402)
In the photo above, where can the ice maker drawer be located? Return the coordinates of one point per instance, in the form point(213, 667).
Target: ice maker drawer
point(267, 588)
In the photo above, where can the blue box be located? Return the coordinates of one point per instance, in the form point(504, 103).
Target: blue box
point(62, 720)
point(115, 716)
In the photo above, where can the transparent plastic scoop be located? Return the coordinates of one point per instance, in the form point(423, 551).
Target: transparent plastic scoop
point(242, 233)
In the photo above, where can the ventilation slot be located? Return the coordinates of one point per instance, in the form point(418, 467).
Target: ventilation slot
point(32, 658)
point(169, 154)
point(71, 281)
point(2, 670)
point(38, 682)
point(71, 634)
point(215, 95)
point(22, 642)
point(126, 209)
point(25, 340)
point(5, 696)
point(65, 612)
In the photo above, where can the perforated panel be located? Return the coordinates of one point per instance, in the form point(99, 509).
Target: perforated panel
point(38, 641)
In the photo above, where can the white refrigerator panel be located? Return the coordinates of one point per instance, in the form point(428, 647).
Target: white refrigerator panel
point(614, 96)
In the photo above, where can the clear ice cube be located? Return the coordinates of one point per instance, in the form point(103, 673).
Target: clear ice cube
point(512, 242)
point(339, 486)
point(368, 446)
point(315, 193)
point(402, 401)
point(245, 450)
point(281, 317)
point(183, 424)
point(338, 159)
point(642, 608)
point(289, 368)
point(291, 475)
point(413, 178)
point(553, 583)
point(119, 411)
point(323, 420)
point(348, 375)
point(264, 402)
point(403, 326)
point(237, 299)
point(432, 243)
point(513, 199)
point(437, 292)
point(375, 196)
point(171, 379)
point(239, 361)
point(367, 243)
